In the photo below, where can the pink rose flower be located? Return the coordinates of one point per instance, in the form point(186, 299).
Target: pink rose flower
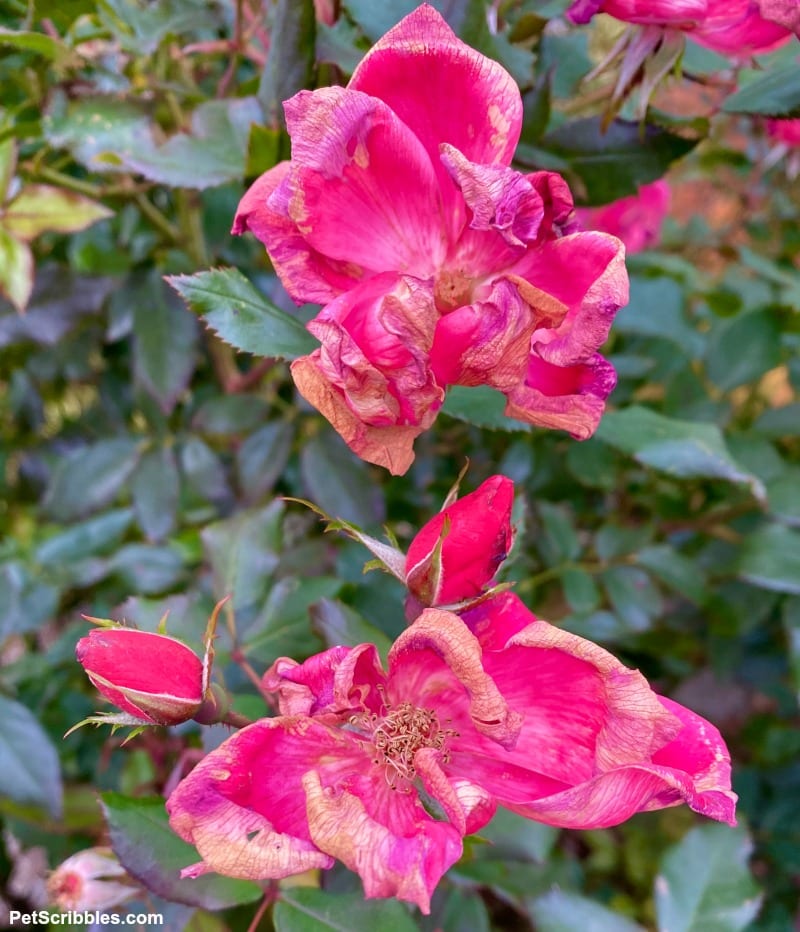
point(518, 714)
point(636, 220)
point(739, 28)
point(152, 677)
point(437, 263)
point(456, 554)
point(784, 131)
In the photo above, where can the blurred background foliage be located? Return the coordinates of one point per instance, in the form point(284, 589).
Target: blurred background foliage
point(143, 460)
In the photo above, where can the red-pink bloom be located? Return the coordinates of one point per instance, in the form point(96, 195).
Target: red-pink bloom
point(785, 12)
point(152, 677)
point(456, 554)
point(636, 220)
point(739, 28)
point(519, 714)
point(92, 879)
point(784, 131)
point(438, 264)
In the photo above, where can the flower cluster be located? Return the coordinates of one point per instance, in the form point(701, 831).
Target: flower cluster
point(437, 264)
point(388, 769)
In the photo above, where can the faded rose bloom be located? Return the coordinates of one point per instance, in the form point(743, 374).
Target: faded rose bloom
point(636, 220)
point(91, 880)
point(456, 554)
point(154, 678)
point(739, 28)
point(437, 264)
point(785, 12)
point(518, 714)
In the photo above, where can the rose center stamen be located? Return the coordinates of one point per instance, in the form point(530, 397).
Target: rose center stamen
point(398, 735)
point(452, 290)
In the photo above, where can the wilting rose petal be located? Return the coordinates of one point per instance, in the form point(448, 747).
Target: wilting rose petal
point(404, 176)
point(736, 28)
point(785, 131)
point(784, 12)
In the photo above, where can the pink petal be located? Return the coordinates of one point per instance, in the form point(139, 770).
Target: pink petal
point(384, 835)
point(245, 815)
point(371, 377)
point(336, 683)
point(495, 621)
point(445, 92)
point(785, 12)
point(306, 274)
point(570, 398)
point(636, 220)
point(485, 343)
point(438, 661)
point(596, 745)
point(361, 187)
point(476, 542)
point(673, 13)
point(585, 272)
point(734, 27)
point(499, 198)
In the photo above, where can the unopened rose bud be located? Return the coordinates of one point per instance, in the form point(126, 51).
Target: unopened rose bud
point(153, 677)
point(90, 880)
point(457, 553)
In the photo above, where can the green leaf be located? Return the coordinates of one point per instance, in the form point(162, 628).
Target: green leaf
point(677, 571)
point(560, 911)
point(165, 341)
point(262, 457)
point(482, 406)
point(42, 208)
point(340, 624)
point(230, 415)
point(96, 130)
point(704, 884)
point(784, 496)
point(290, 62)
point(25, 602)
point(776, 94)
point(8, 165)
point(338, 482)
point(156, 491)
point(770, 558)
point(97, 535)
point(791, 625)
point(38, 43)
point(150, 852)
point(28, 760)
point(580, 589)
point(214, 152)
point(558, 541)
point(633, 597)
point(514, 836)
point(90, 478)
point(683, 449)
point(303, 909)
point(728, 367)
point(241, 316)
point(148, 570)
point(16, 270)
point(656, 309)
point(614, 162)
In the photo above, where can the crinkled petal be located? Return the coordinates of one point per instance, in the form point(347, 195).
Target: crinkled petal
point(446, 92)
point(784, 12)
point(243, 806)
point(586, 272)
point(496, 620)
point(371, 377)
point(337, 682)
point(485, 343)
point(361, 188)
point(306, 274)
point(570, 398)
point(391, 447)
point(384, 835)
point(438, 661)
point(500, 198)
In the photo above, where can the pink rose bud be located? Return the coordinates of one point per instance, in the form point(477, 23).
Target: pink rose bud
point(92, 879)
point(457, 553)
point(152, 677)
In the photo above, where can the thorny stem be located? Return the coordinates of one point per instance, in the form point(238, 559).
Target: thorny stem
point(154, 215)
point(235, 50)
point(235, 720)
point(270, 895)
